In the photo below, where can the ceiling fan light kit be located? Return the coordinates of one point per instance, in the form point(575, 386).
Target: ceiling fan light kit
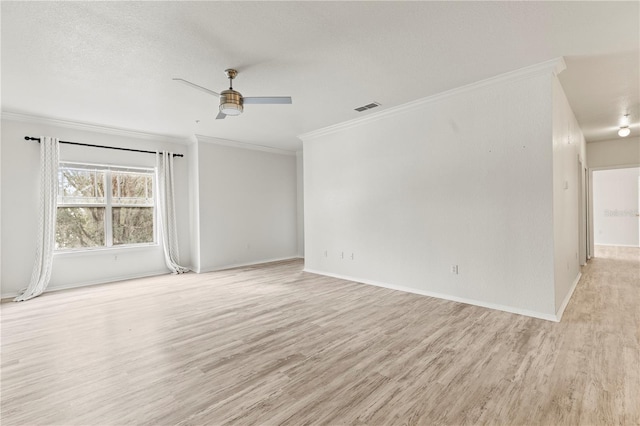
point(624, 127)
point(624, 131)
point(231, 101)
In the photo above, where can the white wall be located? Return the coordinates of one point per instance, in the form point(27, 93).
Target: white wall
point(614, 153)
point(461, 178)
point(615, 207)
point(20, 183)
point(194, 205)
point(300, 202)
point(247, 205)
point(568, 159)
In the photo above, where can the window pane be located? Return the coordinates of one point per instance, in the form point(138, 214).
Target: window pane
point(131, 188)
point(150, 187)
point(132, 225)
point(82, 186)
point(78, 227)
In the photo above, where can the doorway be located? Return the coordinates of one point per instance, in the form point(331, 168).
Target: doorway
point(616, 205)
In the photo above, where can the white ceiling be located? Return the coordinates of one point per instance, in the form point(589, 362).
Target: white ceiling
point(111, 63)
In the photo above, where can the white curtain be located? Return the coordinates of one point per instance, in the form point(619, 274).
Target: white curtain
point(167, 210)
point(49, 154)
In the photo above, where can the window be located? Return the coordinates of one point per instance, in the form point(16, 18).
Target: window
point(104, 206)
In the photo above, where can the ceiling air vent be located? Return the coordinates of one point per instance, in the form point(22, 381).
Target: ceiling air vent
point(368, 106)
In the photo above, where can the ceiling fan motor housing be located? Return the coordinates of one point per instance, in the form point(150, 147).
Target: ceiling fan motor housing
point(231, 102)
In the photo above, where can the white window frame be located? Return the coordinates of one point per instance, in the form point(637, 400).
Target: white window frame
point(108, 205)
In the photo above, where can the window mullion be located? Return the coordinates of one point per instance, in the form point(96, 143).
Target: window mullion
point(108, 225)
point(156, 228)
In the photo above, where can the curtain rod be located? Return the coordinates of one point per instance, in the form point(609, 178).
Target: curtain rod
point(29, 138)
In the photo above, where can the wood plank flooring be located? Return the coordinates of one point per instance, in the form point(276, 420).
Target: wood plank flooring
point(273, 345)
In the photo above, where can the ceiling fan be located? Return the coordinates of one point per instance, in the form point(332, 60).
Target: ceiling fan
point(231, 101)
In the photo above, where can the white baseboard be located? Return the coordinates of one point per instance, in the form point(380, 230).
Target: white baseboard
point(498, 307)
point(11, 295)
point(616, 245)
point(240, 265)
point(565, 302)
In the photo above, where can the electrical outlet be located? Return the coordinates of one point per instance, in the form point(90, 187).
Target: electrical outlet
point(351, 256)
point(454, 269)
point(342, 255)
point(325, 253)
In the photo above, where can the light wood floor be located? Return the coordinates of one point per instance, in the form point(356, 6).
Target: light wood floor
point(274, 345)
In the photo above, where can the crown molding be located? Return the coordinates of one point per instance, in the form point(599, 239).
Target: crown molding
point(91, 127)
point(554, 66)
point(243, 145)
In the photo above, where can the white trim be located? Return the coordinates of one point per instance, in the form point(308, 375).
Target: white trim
point(96, 282)
point(243, 145)
point(92, 127)
point(555, 66)
point(108, 209)
point(101, 250)
point(240, 265)
point(565, 302)
point(616, 245)
point(617, 166)
point(105, 166)
point(498, 307)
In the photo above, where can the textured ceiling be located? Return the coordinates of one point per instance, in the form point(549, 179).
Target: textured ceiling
point(111, 63)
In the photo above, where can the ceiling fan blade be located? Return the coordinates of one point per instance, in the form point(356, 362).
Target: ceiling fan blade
point(267, 100)
point(220, 116)
point(195, 86)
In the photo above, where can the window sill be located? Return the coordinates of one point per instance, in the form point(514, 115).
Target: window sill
point(106, 250)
